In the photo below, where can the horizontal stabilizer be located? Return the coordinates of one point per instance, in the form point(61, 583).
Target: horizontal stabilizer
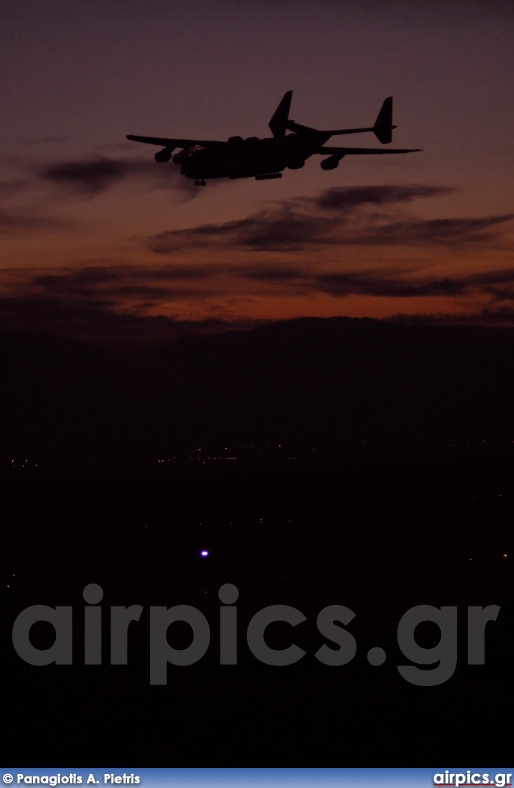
point(382, 129)
point(298, 128)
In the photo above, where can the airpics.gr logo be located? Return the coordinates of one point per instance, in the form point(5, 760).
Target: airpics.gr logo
point(457, 779)
point(438, 662)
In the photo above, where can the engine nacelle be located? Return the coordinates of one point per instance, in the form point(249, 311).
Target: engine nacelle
point(330, 164)
point(163, 155)
point(296, 164)
point(235, 141)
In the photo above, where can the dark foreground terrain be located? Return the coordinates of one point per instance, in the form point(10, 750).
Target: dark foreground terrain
point(338, 462)
point(377, 537)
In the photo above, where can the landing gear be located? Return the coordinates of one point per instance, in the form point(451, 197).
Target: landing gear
point(200, 182)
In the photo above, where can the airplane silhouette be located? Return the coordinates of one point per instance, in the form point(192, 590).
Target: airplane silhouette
point(263, 159)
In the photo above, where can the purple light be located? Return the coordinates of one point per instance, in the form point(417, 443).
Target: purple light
point(204, 553)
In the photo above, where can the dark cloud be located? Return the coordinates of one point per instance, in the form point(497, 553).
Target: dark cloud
point(380, 283)
point(94, 278)
point(283, 229)
point(112, 286)
point(501, 277)
point(338, 216)
point(445, 232)
point(82, 278)
point(269, 273)
point(86, 177)
point(498, 284)
point(383, 283)
point(340, 197)
point(95, 176)
point(377, 284)
point(393, 284)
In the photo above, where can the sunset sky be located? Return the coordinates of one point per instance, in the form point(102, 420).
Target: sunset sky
point(97, 237)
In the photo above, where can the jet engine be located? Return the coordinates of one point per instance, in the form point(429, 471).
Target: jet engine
point(330, 164)
point(163, 155)
point(296, 164)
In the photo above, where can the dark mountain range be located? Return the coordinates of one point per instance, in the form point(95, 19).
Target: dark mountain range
point(328, 383)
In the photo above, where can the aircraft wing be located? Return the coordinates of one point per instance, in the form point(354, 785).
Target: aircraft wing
point(362, 151)
point(167, 142)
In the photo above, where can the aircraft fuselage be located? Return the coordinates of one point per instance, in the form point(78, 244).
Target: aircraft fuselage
point(252, 157)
